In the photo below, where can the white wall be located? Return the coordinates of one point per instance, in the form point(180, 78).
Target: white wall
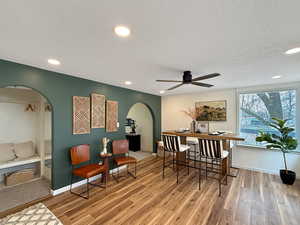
point(144, 121)
point(243, 157)
point(16, 125)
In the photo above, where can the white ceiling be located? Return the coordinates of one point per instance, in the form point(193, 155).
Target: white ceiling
point(243, 40)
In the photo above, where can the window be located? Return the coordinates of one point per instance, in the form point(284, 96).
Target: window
point(257, 108)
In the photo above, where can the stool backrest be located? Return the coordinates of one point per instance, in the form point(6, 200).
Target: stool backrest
point(80, 154)
point(171, 143)
point(120, 147)
point(211, 148)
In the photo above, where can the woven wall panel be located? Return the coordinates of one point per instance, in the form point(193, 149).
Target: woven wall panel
point(111, 116)
point(98, 110)
point(81, 115)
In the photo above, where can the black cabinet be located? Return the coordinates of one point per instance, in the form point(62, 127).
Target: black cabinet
point(134, 142)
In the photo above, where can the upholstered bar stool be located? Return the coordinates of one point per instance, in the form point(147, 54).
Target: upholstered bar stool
point(171, 144)
point(193, 153)
point(215, 159)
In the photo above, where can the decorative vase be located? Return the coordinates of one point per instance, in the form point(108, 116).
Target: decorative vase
point(287, 177)
point(104, 150)
point(193, 126)
point(105, 142)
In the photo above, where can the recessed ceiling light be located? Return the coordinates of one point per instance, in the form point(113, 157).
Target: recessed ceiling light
point(276, 77)
point(122, 31)
point(128, 82)
point(162, 92)
point(293, 51)
point(54, 62)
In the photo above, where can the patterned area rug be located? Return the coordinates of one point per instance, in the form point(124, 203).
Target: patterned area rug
point(37, 214)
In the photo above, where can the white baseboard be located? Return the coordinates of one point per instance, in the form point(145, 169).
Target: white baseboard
point(82, 182)
point(257, 169)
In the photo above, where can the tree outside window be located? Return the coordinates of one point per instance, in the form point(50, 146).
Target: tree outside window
point(257, 109)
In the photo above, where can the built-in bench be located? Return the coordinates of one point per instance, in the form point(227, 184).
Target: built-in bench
point(17, 157)
point(22, 161)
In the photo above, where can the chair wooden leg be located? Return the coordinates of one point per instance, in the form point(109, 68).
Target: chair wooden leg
point(220, 187)
point(164, 164)
point(173, 155)
point(187, 161)
point(87, 188)
point(177, 169)
point(195, 157)
point(206, 168)
point(199, 178)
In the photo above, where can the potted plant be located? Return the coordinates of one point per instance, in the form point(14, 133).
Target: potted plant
point(282, 141)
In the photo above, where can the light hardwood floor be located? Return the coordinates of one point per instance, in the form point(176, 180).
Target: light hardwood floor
point(251, 198)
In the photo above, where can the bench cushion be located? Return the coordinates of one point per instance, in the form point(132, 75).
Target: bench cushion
point(6, 152)
point(24, 150)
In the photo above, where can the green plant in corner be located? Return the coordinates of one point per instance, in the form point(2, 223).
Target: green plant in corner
point(283, 142)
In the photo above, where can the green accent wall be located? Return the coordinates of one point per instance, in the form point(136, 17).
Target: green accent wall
point(59, 89)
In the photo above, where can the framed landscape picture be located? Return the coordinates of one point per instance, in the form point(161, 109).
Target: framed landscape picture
point(211, 111)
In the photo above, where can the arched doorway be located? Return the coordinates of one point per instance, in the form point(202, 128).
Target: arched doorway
point(140, 117)
point(25, 146)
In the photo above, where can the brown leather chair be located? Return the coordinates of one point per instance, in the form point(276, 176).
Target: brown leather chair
point(81, 154)
point(120, 149)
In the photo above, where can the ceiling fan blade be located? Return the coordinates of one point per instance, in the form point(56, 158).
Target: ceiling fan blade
point(206, 76)
point(177, 81)
point(202, 84)
point(175, 87)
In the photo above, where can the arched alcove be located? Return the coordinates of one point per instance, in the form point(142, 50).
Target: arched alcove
point(143, 117)
point(26, 145)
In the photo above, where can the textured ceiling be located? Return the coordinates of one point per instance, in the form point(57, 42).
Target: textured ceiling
point(242, 40)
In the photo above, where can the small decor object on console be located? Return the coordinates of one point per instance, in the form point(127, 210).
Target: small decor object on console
point(111, 116)
point(98, 110)
point(81, 115)
point(202, 126)
point(193, 115)
point(105, 142)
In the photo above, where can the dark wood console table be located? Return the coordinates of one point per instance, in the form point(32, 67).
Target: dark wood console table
point(134, 142)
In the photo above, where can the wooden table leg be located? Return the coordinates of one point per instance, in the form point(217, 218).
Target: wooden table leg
point(226, 146)
point(183, 140)
point(106, 169)
point(225, 168)
point(181, 157)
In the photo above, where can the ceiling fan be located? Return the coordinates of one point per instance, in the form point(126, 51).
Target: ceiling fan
point(188, 79)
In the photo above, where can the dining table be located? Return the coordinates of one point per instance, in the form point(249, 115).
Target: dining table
point(225, 137)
